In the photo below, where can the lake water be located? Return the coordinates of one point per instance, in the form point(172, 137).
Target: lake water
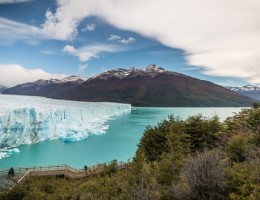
point(119, 142)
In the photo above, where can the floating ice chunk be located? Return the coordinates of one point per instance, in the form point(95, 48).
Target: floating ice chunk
point(3, 155)
point(15, 150)
point(6, 152)
point(69, 139)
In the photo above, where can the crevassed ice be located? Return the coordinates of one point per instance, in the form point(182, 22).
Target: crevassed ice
point(26, 120)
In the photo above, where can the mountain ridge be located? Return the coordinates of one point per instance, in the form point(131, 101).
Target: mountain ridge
point(150, 86)
point(247, 90)
point(2, 88)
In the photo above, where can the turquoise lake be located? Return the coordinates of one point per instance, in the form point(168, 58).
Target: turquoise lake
point(119, 142)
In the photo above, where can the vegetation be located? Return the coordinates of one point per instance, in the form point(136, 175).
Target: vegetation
point(193, 159)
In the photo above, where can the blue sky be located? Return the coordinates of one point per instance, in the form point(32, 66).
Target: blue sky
point(210, 40)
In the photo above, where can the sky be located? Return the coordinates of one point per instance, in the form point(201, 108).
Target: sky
point(213, 40)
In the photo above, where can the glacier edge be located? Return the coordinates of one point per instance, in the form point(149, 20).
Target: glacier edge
point(27, 120)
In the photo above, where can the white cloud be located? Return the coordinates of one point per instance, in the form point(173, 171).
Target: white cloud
point(13, 1)
point(82, 68)
point(86, 55)
point(13, 74)
point(89, 27)
point(127, 41)
point(59, 30)
point(90, 51)
point(120, 39)
point(221, 36)
point(114, 37)
point(63, 24)
point(11, 31)
point(69, 49)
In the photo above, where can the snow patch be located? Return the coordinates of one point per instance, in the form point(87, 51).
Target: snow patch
point(154, 68)
point(246, 88)
point(76, 79)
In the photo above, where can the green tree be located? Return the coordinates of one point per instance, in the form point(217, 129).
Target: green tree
point(244, 178)
point(247, 122)
point(203, 132)
point(256, 105)
point(178, 148)
point(152, 144)
point(237, 148)
point(158, 140)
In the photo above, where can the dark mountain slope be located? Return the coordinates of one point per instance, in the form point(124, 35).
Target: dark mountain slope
point(152, 86)
point(161, 90)
point(2, 88)
point(48, 88)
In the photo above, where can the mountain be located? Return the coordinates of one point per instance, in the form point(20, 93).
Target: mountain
point(248, 90)
point(2, 88)
point(151, 86)
point(49, 88)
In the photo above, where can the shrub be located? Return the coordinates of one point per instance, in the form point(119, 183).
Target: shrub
point(18, 193)
point(204, 133)
point(205, 176)
point(236, 148)
point(161, 139)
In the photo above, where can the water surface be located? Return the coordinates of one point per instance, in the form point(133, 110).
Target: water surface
point(119, 142)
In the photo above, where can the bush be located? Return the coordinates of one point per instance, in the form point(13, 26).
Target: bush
point(203, 132)
point(205, 176)
point(244, 178)
point(246, 122)
point(152, 144)
point(256, 105)
point(162, 139)
point(18, 193)
point(111, 168)
point(236, 148)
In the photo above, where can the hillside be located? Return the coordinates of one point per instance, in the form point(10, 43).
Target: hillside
point(152, 86)
point(2, 88)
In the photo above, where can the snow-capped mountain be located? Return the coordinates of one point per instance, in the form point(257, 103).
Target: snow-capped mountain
point(154, 68)
point(247, 90)
point(149, 86)
point(42, 82)
point(73, 79)
point(151, 70)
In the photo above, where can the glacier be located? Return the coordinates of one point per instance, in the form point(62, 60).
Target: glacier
point(27, 120)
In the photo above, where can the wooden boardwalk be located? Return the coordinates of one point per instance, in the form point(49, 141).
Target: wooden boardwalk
point(59, 170)
point(65, 171)
point(21, 173)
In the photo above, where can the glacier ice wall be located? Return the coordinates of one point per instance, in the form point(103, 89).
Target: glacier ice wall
point(26, 120)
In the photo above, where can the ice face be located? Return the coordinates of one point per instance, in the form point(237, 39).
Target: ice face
point(26, 120)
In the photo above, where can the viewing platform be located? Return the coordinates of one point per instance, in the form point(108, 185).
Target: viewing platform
point(7, 182)
point(21, 173)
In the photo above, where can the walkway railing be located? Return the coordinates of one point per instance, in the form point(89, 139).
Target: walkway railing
point(21, 173)
point(65, 171)
point(58, 170)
